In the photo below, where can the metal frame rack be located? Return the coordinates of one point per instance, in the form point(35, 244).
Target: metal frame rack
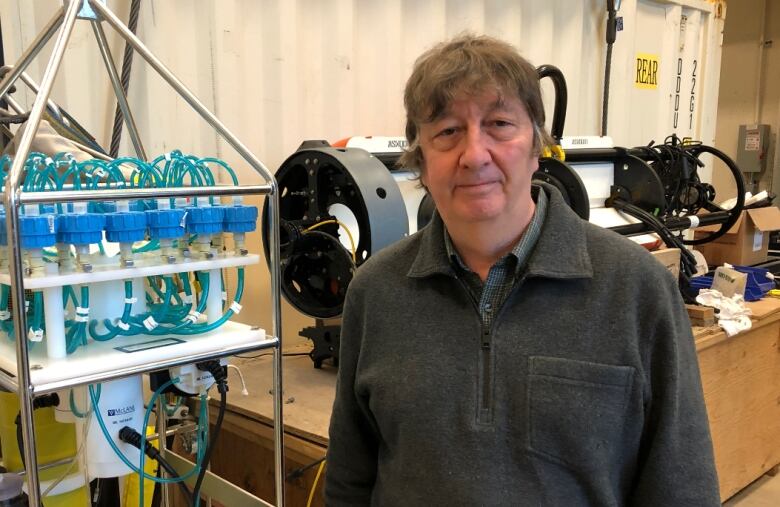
point(62, 23)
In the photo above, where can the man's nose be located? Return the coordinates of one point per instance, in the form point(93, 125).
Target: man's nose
point(475, 150)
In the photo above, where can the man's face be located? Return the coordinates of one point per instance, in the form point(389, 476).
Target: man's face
point(479, 158)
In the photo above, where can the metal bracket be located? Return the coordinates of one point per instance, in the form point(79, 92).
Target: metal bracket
point(86, 11)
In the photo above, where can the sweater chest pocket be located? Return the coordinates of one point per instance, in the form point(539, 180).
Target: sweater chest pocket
point(577, 410)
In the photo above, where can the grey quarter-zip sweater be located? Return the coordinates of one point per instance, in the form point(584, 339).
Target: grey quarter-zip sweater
point(584, 390)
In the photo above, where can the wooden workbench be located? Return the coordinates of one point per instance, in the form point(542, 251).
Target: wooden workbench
point(740, 376)
point(741, 381)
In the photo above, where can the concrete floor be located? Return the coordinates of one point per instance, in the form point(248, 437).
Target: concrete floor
point(765, 492)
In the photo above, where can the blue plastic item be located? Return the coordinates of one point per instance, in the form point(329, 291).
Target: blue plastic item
point(126, 227)
point(36, 231)
point(165, 223)
point(240, 218)
point(758, 283)
point(81, 229)
point(205, 220)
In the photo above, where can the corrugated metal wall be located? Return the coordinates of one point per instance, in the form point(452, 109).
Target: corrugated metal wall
point(281, 71)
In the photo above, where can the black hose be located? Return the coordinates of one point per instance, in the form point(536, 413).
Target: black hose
point(611, 37)
point(172, 472)
point(13, 118)
point(20, 438)
point(132, 437)
point(561, 98)
point(47, 400)
point(212, 442)
point(736, 211)
point(127, 64)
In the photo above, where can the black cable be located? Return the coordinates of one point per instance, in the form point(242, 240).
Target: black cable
point(20, 438)
point(298, 472)
point(47, 400)
point(132, 437)
point(212, 443)
point(172, 472)
point(610, 37)
point(561, 98)
point(687, 260)
point(219, 373)
point(605, 102)
point(127, 64)
point(13, 118)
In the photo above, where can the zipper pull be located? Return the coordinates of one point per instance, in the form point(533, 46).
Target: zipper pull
point(486, 339)
point(486, 329)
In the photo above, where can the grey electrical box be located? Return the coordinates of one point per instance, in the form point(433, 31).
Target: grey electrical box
point(752, 147)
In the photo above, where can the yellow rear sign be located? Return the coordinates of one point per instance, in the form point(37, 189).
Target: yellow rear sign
point(646, 71)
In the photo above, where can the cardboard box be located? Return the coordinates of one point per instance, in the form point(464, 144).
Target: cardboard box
point(729, 281)
point(670, 258)
point(746, 243)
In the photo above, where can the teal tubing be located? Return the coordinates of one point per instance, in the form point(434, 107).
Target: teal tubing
point(5, 292)
point(208, 176)
point(149, 408)
point(154, 287)
point(77, 334)
point(170, 411)
point(74, 409)
point(227, 168)
point(69, 293)
point(169, 290)
point(136, 321)
point(6, 325)
point(36, 322)
point(205, 328)
point(114, 331)
point(148, 247)
point(123, 458)
point(179, 328)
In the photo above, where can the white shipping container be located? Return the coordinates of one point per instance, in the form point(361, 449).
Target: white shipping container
point(278, 72)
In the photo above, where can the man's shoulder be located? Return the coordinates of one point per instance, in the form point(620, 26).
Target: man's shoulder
point(619, 253)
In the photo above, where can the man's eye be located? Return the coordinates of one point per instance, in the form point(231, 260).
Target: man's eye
point(447, 132)
point(501, 123)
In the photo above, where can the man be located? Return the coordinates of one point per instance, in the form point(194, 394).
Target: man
point(510, 353)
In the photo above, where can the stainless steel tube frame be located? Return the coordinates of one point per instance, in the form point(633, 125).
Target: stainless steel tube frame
point(105, 52)
point(32, 51)
point(14, 198)
point(30, 82)
point(12, 229)
point(128, 371)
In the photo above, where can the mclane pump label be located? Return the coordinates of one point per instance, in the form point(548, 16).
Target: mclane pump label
point(115, 412)
point(646, 71)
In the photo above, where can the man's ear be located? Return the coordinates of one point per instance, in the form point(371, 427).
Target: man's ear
point(422, 172)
